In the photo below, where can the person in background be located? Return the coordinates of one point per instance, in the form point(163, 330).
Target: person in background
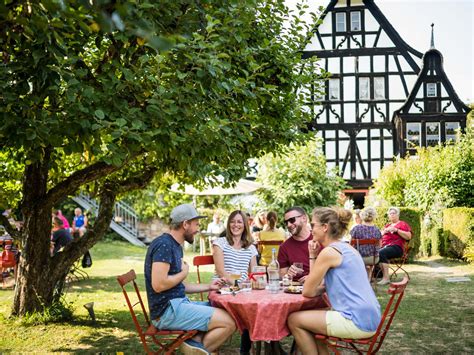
point(60, 237)
point(165, 272)
point(236, 253)
point(357, 217)
point(270, 232)
point(394, 236)
point(355, 310)
point(295, 248)
point(258, 224)
point(367, 230)
point(58, 213)
point(79, 223)
point(216, 226)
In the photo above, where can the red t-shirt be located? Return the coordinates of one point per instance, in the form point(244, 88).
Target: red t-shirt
point(394, 238)
point(292, 251)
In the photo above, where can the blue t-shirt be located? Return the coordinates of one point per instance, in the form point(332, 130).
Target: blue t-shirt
point(349, 290)
point(163, 249)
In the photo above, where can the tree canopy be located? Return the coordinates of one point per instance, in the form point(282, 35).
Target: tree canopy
point(104, 95)
point(298, 176)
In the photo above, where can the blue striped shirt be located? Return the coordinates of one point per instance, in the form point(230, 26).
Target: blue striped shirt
point(236, 259)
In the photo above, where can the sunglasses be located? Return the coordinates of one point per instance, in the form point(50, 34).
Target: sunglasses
point(291, 219)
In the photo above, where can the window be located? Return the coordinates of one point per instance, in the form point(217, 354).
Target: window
point(432, 134)
point(340, 21)
point(451, 128)
point(355, 21)
point(413, 135)
point(334, 89)
point(379, 88)
point(363, 88)
point(431, 89)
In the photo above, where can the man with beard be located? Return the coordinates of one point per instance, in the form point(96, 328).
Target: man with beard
point(295, 248)
point(165, 272)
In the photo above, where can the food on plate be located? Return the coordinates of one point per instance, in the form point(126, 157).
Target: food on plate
point(294, 289)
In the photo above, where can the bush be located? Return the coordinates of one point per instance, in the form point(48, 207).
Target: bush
point(458, 224)
point(410, 215)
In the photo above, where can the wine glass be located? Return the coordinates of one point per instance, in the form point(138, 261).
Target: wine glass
point(299, 266)
point(234, 275)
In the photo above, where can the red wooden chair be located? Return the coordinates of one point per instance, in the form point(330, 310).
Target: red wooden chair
point(371, 345)
point(202, 260)
point(166, 340)
point(374, 242)
point(397, 264)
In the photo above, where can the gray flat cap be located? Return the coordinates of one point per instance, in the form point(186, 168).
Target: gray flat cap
point(184, 212)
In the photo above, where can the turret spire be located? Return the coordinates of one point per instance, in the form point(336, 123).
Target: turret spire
point(432, 37)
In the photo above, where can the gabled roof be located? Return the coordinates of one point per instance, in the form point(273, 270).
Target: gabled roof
point(432, 61)
point(404, 48)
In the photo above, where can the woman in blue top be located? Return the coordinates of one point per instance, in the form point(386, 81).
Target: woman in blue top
point(355, 310)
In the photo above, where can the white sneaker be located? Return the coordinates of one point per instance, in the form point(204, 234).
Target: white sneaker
point(383, 282)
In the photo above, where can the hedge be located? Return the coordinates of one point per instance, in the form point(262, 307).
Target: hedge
point(410, 215)
point(458, 226)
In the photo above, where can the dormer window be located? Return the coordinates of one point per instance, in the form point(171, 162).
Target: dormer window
point(431, 90)
point(340, 22)
point(355, 21)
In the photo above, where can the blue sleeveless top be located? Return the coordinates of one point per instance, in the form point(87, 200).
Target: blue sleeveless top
point(79, 220)
point(349, 290)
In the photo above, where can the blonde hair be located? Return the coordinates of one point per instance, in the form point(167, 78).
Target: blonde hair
point(396, 209)
point(336, 218)
point(368, 214)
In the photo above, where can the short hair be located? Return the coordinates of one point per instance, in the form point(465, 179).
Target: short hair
point(175, 226)
point(368, 214)
point(396, 209)
point(297, 209)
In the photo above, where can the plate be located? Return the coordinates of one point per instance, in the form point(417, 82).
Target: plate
point(294, 289)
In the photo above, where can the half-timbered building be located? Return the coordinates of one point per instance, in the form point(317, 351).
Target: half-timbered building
point(372, 73)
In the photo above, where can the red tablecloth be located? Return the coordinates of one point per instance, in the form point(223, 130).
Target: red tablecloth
point(262, 313)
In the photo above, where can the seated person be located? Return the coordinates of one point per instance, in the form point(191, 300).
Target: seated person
point(79, 223)
point(236, 253)
point(61, 237)
point(270, 233)
point(165, 272)
point(367, 230)
point(216, 226)
point(355, 310)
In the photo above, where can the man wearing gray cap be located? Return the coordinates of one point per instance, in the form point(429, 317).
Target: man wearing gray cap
point(165, 272)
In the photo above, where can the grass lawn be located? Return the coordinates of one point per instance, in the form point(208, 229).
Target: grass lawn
point(434, 317)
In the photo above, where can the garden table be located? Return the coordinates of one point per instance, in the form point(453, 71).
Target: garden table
point(264, 314)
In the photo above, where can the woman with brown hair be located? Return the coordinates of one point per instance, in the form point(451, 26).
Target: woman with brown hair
point(355, 310)
point(235, 253)
point(270, 232)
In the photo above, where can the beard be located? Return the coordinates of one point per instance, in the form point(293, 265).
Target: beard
point(189, 237)
point(297, 229)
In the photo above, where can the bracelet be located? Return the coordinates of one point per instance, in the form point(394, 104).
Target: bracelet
point(312, 258)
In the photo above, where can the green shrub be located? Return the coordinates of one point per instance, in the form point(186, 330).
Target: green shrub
point(458, 223)
point(410, 215)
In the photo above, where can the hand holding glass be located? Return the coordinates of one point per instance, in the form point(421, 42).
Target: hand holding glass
point(300, 270)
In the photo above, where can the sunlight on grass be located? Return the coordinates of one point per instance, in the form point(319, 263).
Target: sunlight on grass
point(434, 315)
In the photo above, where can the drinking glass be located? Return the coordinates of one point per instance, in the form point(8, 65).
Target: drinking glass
point(299, 266)
point(234, 275)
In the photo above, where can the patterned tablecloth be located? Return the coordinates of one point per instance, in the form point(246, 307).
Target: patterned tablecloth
point(262, 313)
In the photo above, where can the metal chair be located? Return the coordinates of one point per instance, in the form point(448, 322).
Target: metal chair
point(166, 340)
point(371, 345)
point(199, 261)
point(397, 264)
point(356, 243)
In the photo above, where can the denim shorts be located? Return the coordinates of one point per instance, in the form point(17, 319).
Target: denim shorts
point(183, 314)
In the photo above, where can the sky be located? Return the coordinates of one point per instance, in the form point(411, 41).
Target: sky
point(453, 30)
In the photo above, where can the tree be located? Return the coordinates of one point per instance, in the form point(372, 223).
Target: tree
point(104, 95)
point(298, 176)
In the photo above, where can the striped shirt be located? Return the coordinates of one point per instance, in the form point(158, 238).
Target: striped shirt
point(236, 259)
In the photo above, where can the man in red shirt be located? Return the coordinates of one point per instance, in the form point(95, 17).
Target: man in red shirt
point(295, 248)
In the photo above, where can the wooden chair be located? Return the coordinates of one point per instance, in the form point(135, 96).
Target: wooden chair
point(166, 340)
point(398, 264)
point(199, 261)
point(371, 345)
point(262, 244)
point(375, 243)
